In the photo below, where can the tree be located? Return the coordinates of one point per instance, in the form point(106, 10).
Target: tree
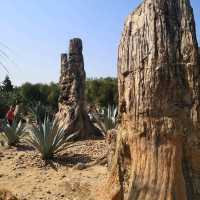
point(29, 93)
point(157, 153)
point(47, 95)
point(7, 85)
point(102, 91)
point(53, 96)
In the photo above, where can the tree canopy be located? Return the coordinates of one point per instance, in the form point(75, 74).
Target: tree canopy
point(99, 91)
point(102, 91)
point(6, 85)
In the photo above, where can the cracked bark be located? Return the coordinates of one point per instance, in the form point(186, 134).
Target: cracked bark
point(72, 105)
point(158, 144)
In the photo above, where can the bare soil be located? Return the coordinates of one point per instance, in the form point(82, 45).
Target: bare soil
point(25, 175)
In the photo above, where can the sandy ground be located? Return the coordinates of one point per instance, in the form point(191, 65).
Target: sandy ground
point(24, 174)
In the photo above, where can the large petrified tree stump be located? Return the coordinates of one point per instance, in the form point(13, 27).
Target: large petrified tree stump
point(158, 146)
point(72, 105)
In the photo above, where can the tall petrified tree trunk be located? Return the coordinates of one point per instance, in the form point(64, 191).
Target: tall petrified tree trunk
point(158, 146)
point(72, 104)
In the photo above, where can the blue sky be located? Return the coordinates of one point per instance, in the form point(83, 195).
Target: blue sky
point(38, 31)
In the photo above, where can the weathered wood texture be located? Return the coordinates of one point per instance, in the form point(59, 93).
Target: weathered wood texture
point(158, 146)
point(72, 105)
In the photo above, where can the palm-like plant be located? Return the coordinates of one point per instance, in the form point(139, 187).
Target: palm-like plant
point(48, 137)
point(13, 133)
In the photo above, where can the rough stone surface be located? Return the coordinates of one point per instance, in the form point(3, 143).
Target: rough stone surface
point(158, 145)
point(111, 146)
point(72, 105)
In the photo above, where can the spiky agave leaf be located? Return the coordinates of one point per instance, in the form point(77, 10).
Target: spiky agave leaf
point(110, 117)
point(13, 133)
point(100, 123)
point(108, 120)
point(38, 112)
point(48, 137)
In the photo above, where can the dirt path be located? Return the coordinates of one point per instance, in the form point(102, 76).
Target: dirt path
point(25, 175)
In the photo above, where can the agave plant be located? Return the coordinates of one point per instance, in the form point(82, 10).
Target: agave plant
point(13, 133)
point(49, 137)
point(38, 112)
point(107, 120)
point(111, 116)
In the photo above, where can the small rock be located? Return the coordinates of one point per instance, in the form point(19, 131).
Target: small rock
point(21, 156)
point(79, 166)
point(75, 186)
point(1, 155)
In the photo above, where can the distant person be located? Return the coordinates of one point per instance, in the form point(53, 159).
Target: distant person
point(10, 115)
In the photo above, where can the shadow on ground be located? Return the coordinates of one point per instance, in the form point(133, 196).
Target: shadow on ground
point(70, 160)
point(24, 147)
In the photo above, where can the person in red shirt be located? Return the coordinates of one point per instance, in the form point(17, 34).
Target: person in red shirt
point(10, 115)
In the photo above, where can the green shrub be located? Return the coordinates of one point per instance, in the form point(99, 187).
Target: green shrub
point(48, 137)
point(101, 91)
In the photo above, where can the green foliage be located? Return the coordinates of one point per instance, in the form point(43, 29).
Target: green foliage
point(7, 99)
point(48, 138)
point(110, 117)
point(107, 119)
point(3, 106)
point(13, 133)
point(30, 94)
point(38, 112)
point(102, 91)
point(53, 95)
point(7, 85)
point(47, 95)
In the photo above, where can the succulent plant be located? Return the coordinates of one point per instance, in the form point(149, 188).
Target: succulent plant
point(106, 120)
point(13, 133)
point(38, 112)
point(48, 137)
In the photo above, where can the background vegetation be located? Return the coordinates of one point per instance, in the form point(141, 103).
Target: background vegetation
point(102, 91)
point(99, 91)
